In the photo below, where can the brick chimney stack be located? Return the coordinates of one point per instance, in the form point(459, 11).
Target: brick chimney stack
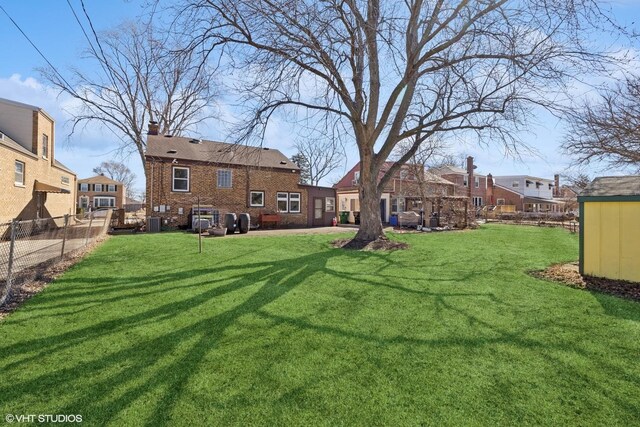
point(490, 189)
point(153, 128)
point(556, 185)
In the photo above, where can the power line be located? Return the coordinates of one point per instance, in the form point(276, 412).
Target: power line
point(35, 47)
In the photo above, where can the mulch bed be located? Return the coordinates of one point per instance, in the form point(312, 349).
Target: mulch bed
point(569, 274)
point(33, 280)
point(382, 244)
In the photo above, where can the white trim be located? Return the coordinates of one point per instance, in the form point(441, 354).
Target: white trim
point(111, 199)
point(22, 173)
point(292, 199)
point(173, 179)
point(251, 204)
point(230, 178)
point(281, 196)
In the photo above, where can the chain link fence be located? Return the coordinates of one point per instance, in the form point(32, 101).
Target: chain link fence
point(26, 245)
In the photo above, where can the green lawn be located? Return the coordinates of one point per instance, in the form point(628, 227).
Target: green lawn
point(289, 331)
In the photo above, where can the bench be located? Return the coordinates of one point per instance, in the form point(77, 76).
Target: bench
point(269, 219)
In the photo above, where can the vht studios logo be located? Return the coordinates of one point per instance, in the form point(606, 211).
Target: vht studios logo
point(42, 418)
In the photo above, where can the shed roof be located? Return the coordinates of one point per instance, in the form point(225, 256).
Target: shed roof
point(613, 186)
point(216, 152)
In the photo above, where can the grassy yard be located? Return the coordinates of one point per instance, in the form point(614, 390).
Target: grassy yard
point(289, 331)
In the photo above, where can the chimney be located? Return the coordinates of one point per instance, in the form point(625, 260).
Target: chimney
point(556, 188)
point(153, 128)
point(490, 190)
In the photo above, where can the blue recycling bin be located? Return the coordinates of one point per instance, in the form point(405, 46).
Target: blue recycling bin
point(393, 220)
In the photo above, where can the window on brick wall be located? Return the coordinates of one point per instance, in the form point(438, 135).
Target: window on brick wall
point(256, 199)
point(84, 187)
point(19, 173)
point(294, 202)
point(224, 178)
point(500, 202)
point(97, 187)
point(477, 182)
point(111, 188)
point(465, 180)
point(45, 146)
point(330, 204)
point(180, 181)
point(282, 200)
point(104, 202)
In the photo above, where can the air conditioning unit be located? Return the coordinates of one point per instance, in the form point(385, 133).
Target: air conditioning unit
point(153, 224)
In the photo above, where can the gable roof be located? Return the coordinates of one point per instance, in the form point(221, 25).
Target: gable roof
point(176, 147)
point(25, 106)
point(99, 179)
point(10, 143)
point(613, 186)
point(452, 170)
point(347, 180)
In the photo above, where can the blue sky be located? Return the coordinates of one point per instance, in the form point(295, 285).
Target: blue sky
point(52, 27)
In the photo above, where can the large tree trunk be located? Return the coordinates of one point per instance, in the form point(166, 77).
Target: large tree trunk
point(370, 222)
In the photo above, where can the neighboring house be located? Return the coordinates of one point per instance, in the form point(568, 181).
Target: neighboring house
point(405, 191)
point(33, 183)
point(527, 193)
point(226, 178)
point(321, 209)
point(133, 205)
point(100, 192)
point(460, 177)
point(567, 194)
point(609, 228)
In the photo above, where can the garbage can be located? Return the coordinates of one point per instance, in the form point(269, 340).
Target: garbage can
point(393, 220)
point(356, 216)
point(433, 221)
point(344, 217)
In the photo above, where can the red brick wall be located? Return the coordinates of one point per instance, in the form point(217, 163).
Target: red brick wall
point(510, 198)
point(461, 190)
point(203, 183)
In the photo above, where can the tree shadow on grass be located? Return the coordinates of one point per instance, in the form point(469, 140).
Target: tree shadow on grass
point(165, 364)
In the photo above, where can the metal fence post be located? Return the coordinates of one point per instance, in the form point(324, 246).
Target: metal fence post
point(64, 234)
point(14, 232)
point(86, 240)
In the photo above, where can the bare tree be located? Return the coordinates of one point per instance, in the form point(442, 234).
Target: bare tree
point(389, 71)
point(141, 77)
point(579, 180)
point(322, 157)
point(119, 172)
point(608, 130)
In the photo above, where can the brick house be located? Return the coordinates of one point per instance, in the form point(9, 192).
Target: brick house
point(403, 192)
point(33, 183)
point(460, 177)
point(227, 177)
point(100, 192)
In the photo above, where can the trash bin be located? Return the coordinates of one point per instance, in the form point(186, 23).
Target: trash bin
point(393, 220)
point(433, 221)
point(356, 216)
point(344, 217)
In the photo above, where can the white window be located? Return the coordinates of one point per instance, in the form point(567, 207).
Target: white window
point(477, 182)
point(84, 187)
point(45, 146)
point(294, 202)
point(104, 202)
point(19, 175)
point(111, 188)
point(515, 184)
point(466, 181)
point(477, 201)
point(500, 202)
point(180, 180)
point(224, 178)
point(356, 177)
point(404, 174)
point(64, 180)
point(97, 187)
point(283, 202)
point(330, 204)
point(84, 202)
point(256, 199)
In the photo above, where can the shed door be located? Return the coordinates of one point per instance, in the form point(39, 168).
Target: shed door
point(318, 211)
